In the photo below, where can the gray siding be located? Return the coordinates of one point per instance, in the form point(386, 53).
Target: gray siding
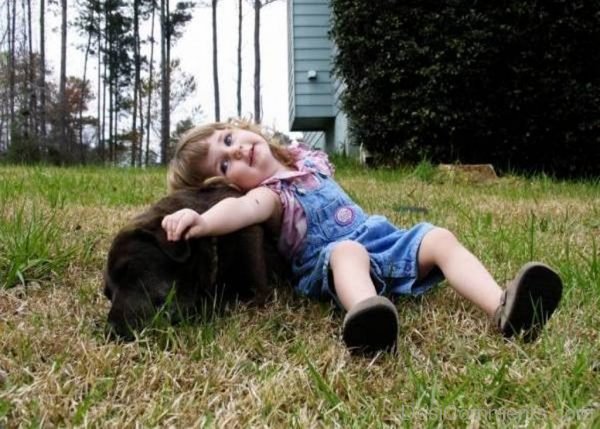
point(341, 141)
point(314, 139)
point(312, 104)
point(291, 59)
point(315, 103)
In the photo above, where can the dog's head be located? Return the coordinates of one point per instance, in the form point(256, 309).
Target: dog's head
point(146, 274)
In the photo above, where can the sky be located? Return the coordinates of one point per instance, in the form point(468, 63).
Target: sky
point(194, 50)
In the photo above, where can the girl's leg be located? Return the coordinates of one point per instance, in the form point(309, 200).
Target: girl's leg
point(371, 323)
point(464, 272)
point(525, 305)
point(351, 269)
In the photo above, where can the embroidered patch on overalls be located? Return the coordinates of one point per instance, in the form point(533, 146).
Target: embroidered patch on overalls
point(344, 216)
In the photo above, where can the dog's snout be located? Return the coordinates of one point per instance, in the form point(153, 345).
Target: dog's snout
point(158, 301)
point(118, 332)
point(107, 292)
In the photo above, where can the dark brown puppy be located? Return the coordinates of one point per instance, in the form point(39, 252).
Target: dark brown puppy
point(144, 271)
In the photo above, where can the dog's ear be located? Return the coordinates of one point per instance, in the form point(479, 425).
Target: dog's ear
point(178, 251)
point(117, 274)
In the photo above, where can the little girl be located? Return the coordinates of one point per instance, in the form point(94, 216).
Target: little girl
point(335, 249)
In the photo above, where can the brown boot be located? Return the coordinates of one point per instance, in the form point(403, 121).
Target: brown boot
point(371, 326)
point(528, 301)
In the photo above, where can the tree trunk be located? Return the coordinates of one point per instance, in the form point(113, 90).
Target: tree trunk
point(11, 68)
point(141, 136)
point(24, 87)
point(215, 62)
point(165, 80)
point(239, 58)
point(81, 99)
point(136, 83)
point(257, 113)
point(150, 87)
point(115, 120)
point(104, 86)
point(63, 79)
point(100, 90)
point(111, 143)
point(3, 136)
point(42, 71)
point(258, 5)
point(31, 74)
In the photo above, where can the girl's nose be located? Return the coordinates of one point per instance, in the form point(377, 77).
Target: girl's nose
point(236, 152)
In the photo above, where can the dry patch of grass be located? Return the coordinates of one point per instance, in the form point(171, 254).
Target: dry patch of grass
point(284, 365)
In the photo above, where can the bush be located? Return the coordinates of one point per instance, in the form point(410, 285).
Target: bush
point(513, 83)
point(23, 150)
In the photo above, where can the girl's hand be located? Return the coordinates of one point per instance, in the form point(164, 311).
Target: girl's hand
point(183, 221)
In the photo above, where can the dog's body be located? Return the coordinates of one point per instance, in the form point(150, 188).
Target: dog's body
point(144, 270)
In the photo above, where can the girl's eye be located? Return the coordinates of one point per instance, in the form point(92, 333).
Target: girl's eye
point(224, 165)
point(228, 140)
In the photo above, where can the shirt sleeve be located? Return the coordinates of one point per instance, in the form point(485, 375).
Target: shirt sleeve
point(293, 219)
point(314, 161)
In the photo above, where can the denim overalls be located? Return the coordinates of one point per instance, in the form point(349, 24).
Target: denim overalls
point(332, 216)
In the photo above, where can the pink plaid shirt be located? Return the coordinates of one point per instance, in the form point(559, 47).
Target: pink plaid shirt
point(293, 221)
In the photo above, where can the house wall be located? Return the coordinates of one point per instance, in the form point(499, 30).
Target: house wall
point(314, 139)
point(339, 137)
point(314, 101)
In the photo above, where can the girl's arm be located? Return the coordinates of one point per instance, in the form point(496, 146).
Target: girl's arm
point(228, 215)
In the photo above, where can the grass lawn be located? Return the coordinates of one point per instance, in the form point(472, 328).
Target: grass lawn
point(285, 365)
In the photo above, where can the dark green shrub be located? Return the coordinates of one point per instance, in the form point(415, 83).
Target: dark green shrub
point(514, 83)
point(23, 150)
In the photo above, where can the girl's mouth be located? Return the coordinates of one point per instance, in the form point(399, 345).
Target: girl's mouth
point(251, 160)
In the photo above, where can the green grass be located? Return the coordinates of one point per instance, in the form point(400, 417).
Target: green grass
point(284, 365)
point(31, 248)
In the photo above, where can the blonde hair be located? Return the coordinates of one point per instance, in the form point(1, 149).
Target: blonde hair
point(191, 149)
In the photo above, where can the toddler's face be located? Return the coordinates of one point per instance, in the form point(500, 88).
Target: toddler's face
point(243, 157)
